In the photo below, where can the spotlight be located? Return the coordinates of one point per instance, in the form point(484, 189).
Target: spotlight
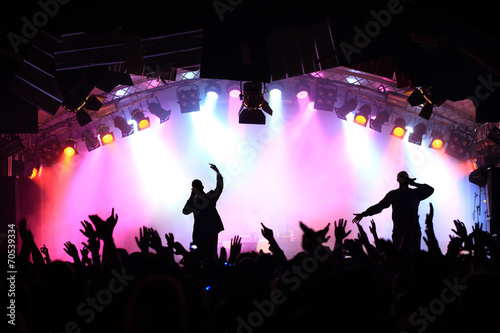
point(140, 119)
point(361, 117)
point(212, 90)
point(233, 90)
point(377, 123)
point(122, 124)
point(458, 145)
point(325, 98)
point(417, 134)
point(156, 109)
point(69, 147)
point(399, 128)
point(437, 141)
point(253, 101)
point(349, 106)
point(188, 99)
point(302, 90)
point(105, 134)
point(90, 140)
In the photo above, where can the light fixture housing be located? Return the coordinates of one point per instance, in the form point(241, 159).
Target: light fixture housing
point(437, 140)
point(458, 145)
point(302, 90)
point(399, 128)
point(416, 136)
point(105, 134)
point(363, 114)
point(70, 147)
point(90, 140)
point(122, 124)
point(141, 120)
point(253, 107)
point(349, 106)
point(379, 121)
point(325, 98)
point(188, 98)
point(212, 90)
point(156, 109)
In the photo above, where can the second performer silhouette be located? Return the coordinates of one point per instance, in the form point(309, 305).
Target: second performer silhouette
point(406, 232)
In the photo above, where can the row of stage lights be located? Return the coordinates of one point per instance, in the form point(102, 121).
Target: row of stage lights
point(325, 98)
point(253, 104)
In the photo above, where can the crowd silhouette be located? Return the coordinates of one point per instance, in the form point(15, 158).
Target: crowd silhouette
point(361, 284)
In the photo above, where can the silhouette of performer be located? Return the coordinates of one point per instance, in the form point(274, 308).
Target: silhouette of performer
point(406, 232)
point(207, 222)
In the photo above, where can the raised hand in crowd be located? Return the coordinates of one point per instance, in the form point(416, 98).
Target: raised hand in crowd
point(45, 252)
point(363, 238)
point(72, 251)
point(235, 249)
point(312, 240)
point(144, 240)
point(104, 229)
point(431, 240)
point(274, 247)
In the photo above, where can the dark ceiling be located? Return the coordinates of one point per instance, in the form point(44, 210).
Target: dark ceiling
point(55, 52)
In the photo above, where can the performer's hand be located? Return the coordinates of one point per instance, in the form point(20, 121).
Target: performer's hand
point(412, 182)
point(213, 167)
point(357, 217)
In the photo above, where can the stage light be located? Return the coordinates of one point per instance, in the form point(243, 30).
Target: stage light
point(275, 89)
point(349, 106)
point(212, 90)
point(122, 124)
point(399, 128)
point(105, 134)
point(362, 115)
point(437, 141)
point(156, 109)
point(325, 98)
point(253, 107)
point(275, 93)
point(233, 89)
point(69, 147)
point(141, 121)
point(90, 140)
point(302, 90)
point(381, 119)
point(417, 134)
point(188, 98)
point(458, 145)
